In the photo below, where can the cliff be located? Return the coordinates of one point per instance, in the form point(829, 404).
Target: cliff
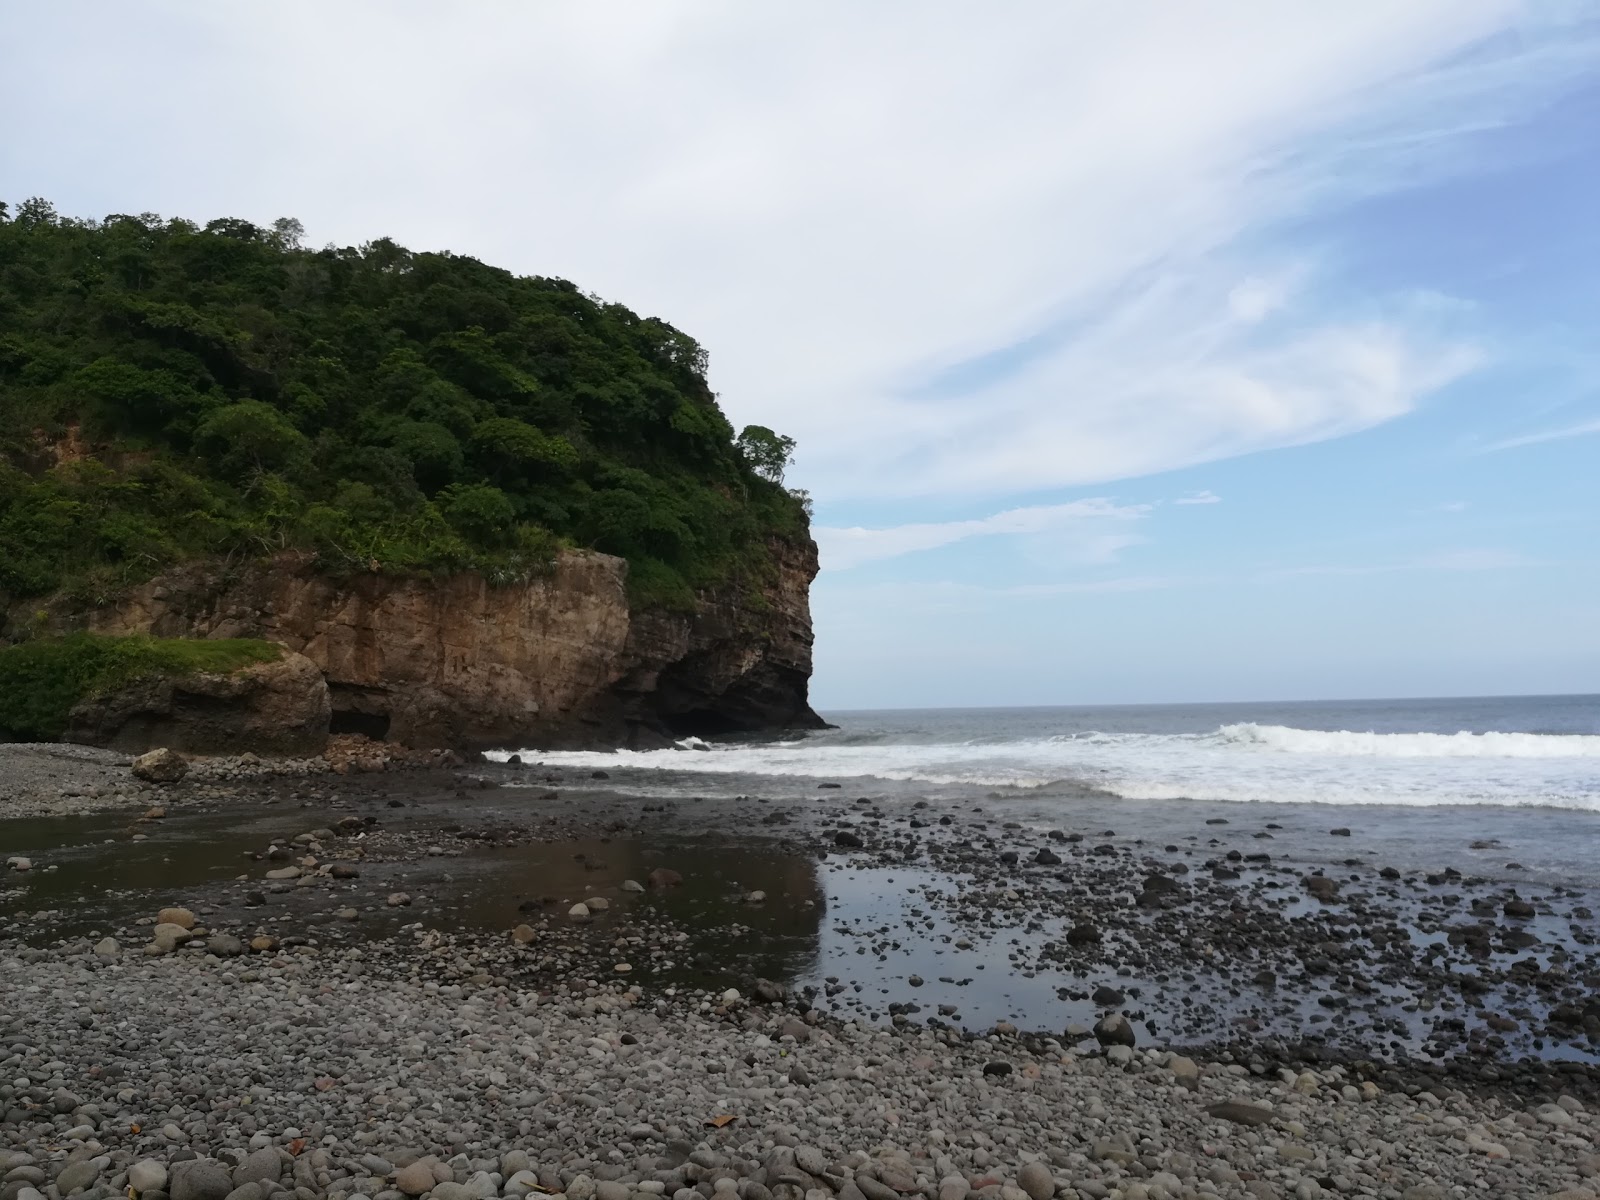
point(561, 660)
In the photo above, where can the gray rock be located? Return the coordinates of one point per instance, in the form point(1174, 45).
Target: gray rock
point(200, 1179)
point(107, 950)
point(451, 1190)
point(1036, 1180)
point(161, 766)
point(608, 1189)
point(167, 937)
point(76, 1176)
point(874, 1189)
point(810, 1160)
point(224, 945)
point(1114, 1030)
point(415, 1179)
point(1241, 1112)
point(1185, 1072)
point(1323, 888)
point(247, 1191)
point(260, 1166)
point(147, 1175)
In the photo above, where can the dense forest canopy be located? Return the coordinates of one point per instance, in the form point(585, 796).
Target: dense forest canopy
point(169, 391)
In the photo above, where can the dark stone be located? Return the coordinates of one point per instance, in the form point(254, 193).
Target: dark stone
point(1241, 1112)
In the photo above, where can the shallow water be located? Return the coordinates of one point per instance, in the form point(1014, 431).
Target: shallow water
point(869, 926)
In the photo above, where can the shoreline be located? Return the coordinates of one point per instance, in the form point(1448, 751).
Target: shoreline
point(909, 913)
point(421, 989)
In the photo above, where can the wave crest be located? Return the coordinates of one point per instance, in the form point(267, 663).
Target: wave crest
point(1342, 743)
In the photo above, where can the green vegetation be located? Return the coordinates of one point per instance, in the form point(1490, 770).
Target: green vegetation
point(171, 391)
point(41, 680)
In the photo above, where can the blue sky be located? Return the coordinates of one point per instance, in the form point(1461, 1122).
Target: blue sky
point(1135, 353)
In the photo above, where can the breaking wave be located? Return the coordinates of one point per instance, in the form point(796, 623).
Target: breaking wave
point(1288, 740)
point(1238, 762)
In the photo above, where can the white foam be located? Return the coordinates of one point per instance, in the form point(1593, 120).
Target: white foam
point(1246, 762)
point(1289, 740)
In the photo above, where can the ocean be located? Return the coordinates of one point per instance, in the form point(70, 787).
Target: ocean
point(1424, 778)
point(1505, 751)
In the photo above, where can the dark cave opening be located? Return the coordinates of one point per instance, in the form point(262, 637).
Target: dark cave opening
point(367, 724)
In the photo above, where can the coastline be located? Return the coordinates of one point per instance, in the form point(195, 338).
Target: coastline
point(855, 897)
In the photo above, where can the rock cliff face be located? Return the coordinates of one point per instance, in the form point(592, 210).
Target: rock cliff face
point(270, 708)
point(558, 661)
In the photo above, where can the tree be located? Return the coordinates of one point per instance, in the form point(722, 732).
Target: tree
point(288, 233)
point(481, 514)
point(249, 436)
point(769, 454)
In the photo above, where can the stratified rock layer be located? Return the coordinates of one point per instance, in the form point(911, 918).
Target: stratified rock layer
point(277, 707)
point(460, 662)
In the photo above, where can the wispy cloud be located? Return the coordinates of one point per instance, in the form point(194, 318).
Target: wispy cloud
point(1582, 429)
point(1202, 497)
point(1083, 531)
point(1074, 226)
point(1449, 506)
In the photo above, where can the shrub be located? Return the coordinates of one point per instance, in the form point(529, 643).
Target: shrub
point(41, 680)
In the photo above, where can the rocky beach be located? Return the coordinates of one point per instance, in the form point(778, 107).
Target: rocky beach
point(481, 980)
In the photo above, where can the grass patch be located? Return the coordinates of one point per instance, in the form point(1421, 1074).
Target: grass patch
point(41, 680)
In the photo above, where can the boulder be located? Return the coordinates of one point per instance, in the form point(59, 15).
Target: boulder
point(200, 1179)
point(1322, 887)
point(1241, 1112)
point(1114, 1030)
point(1036, 1180)
point(176, 916)
point(167, 938)
point(415, 1179)
point(76, 1176)
point(260, 1166)
point(156, 766)
point(280, 707)
point(147, 1175)
point(224, 945)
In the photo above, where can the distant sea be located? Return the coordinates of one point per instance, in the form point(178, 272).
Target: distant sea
point(1504, 751)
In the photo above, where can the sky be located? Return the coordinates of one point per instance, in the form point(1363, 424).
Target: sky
point(1135, 353)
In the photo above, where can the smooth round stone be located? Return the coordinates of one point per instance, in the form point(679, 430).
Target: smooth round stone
point(147, 1175)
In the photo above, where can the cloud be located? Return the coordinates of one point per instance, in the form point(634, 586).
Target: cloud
point(1582, 429)
point(1079, 533)
point(1450, 506)
point(950, 254)
point(1201, 497)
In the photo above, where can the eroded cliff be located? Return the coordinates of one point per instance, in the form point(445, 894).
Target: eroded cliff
point(562, 660)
